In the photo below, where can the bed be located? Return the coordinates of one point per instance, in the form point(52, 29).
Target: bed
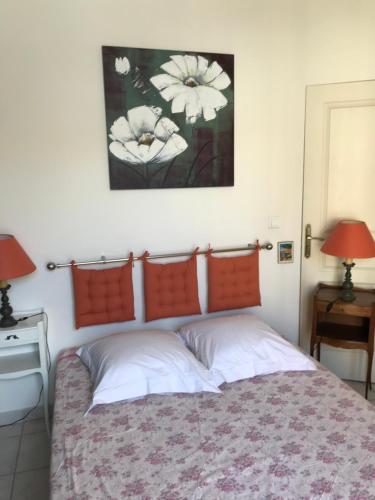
point(291, 435)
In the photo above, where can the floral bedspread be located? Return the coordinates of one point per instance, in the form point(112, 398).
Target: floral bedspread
point(301, 435)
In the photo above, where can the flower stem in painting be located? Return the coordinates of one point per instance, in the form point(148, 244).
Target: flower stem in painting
point(201, 170)
point(194, 162)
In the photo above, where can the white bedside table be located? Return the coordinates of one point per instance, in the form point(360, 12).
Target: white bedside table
point(23, 351)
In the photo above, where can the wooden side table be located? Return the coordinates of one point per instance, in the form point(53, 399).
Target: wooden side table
point(350, 325)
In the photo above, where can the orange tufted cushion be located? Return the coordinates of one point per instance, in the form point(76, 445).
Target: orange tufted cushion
point(233, 282)
point(103, 296)
point(171, 289)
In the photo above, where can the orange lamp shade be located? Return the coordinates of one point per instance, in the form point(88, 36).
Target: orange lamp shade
point(14, 261)
point(350, 239)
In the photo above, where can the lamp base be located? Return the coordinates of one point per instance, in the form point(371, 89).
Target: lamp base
point(347, 294)
point(6, 310)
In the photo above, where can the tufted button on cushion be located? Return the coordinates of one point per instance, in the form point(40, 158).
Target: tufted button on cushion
point(171, 289)
point(103, 296)
point(233, 282)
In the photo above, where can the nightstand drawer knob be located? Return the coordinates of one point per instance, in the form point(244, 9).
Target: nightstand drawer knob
point(9, 337)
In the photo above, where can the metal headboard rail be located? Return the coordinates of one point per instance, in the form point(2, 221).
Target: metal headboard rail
point(51, 266)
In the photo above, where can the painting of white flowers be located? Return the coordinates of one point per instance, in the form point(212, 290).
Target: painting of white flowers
point(170, 118)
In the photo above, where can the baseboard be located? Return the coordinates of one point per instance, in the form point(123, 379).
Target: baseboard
point(7, 417)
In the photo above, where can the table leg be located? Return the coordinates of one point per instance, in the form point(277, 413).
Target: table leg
point(369, 369)
point(312, 346)
point(45, 402)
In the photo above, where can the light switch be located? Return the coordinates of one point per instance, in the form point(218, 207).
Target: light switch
point(274, 222)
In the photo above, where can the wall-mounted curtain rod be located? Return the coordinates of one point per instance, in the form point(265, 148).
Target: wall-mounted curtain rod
point(51, 266)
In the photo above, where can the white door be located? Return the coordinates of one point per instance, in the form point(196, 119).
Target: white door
point(339, 183)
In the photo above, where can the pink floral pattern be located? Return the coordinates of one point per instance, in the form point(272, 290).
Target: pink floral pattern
point(303, 435)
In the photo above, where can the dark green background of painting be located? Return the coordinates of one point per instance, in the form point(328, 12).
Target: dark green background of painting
point(208, 159)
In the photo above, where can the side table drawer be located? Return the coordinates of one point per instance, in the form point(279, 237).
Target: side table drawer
point(11, 338)
point(348, 309)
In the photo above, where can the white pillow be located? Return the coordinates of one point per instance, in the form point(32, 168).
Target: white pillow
point(132, 364)
point(242, 346)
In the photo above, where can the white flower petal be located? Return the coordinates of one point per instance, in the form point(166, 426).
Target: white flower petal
point(156, 146)
point(172, 91)
point(122, 153)
point(191, 119)
point(134, 149)
point(220, 82)
point(181, 64)
point(211, 97)
point(121, 130)
point(163, 80)
point(172, 148)
point(193, 105)
point(202, 65)
point(209, 113)
point(171, 68)
point(179, 102)
point(144, 152)
point(192, 65)
point(142, 119)
point(212, 72)
point(165, 128)
point(122, 65)
point(157, 110)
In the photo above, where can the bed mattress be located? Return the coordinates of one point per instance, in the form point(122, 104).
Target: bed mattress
point(294, 435)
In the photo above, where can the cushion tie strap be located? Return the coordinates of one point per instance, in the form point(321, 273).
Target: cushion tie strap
point(131, 258)
point(209, 251)
point(144, 256)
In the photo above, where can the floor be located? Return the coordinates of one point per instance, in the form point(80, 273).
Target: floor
point(24, 457)
point(24, 461)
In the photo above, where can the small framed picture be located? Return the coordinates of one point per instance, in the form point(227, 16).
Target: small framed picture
point(285, 252)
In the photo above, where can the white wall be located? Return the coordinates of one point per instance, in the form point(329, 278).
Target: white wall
point(55, 194)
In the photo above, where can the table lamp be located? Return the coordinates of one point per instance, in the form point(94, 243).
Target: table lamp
point(14, 262)
point(350, 239)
